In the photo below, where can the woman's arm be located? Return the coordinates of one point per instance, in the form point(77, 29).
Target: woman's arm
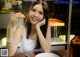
point(45, 42)
point(48, 36)
point(13, 39)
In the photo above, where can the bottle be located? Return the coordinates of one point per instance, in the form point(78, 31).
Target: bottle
point(75, 46)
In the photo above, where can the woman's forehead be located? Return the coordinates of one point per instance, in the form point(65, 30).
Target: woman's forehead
point(38, 6)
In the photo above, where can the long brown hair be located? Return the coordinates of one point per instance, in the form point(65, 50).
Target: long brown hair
point(46, 15)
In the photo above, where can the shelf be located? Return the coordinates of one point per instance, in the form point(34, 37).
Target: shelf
point(58, 43)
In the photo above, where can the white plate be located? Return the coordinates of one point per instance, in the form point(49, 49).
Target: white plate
point(47, 55)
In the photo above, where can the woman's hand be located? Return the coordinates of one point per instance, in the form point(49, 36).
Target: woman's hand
point(41, 23)
point(13, 20)
point(16, 17)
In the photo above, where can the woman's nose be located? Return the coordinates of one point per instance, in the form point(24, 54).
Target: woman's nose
point(36, 14)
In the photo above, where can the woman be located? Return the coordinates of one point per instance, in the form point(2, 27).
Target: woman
point(35, 33)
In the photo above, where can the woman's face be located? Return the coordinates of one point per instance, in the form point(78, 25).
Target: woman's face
point(36, 14)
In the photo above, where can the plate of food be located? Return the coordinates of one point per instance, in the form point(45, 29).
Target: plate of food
point(47, 55)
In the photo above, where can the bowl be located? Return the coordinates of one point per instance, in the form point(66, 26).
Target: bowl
point(47, 55)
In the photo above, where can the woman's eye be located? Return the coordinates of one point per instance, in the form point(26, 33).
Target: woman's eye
point(33, 10)
point(40, 13)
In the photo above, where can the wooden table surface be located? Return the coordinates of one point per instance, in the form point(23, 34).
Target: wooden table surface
point(24, 54)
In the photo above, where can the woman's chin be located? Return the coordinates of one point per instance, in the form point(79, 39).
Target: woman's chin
point(33, 23)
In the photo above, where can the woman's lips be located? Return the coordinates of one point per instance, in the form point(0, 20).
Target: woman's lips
point(34, 19)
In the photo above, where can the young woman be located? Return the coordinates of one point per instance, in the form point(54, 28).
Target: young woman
point(35, 33)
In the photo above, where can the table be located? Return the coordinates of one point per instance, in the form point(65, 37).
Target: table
point(30, 54)
point(24, 54)
point(61, 53)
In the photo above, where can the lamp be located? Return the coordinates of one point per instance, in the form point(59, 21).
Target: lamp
point(55, 23)
point(4, 41)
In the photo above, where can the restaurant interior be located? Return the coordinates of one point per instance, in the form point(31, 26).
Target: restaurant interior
point(64, 22)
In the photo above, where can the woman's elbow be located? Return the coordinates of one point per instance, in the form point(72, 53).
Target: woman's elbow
point(48, 49)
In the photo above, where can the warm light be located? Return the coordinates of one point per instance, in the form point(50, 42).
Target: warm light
point(63, 37)
point(13, 2)
point(3, 41)
point(71, 37)
point(56, 22)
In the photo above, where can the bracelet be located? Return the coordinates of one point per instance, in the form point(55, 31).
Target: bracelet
point(10, 41)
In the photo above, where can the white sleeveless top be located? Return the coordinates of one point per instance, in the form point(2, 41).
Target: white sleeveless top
point(27, 44)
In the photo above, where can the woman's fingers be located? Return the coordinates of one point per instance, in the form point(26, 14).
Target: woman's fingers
point(14, 18)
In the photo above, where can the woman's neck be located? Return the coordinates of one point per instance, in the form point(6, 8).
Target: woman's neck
point(33, 29)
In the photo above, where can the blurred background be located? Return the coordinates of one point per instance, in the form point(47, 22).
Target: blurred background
point(59, 11)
